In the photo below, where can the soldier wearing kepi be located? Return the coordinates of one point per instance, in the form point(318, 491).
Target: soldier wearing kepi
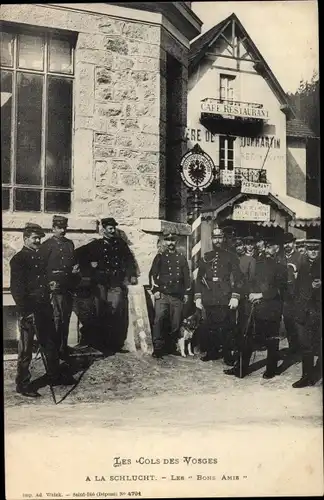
point(292, 258)
point(113, 268)
point(266, 297)
point(170, 284)
point(308, 313)
point(62, 273)
point(217, 291)
point(29, 288)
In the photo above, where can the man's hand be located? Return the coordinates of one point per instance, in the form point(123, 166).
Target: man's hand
point(253, 297)
point(198, 304)
point(94, 264)
point(185, 299)
point(133, 280)
point(157, 295)
point(27, 317)
point(53, 285)
point(76, 269)
point(233, 303)
point(317, 283)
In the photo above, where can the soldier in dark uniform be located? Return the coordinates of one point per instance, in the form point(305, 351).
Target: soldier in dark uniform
point(292, 259)
point(266, 296)
point(59, 259)
point(217, 291)
point(259, 247)
point(113, 267)
point(170, 284)
point(29, 288)
point(308, 313)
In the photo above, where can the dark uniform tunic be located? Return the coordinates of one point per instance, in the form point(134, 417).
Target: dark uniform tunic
point(170, 276)
point(308, 306)
point(112, 264)
point(247, 267)
point(270, 280)
point(59, 259)
point(29, 288)
point(219, 279)
point(293, 262)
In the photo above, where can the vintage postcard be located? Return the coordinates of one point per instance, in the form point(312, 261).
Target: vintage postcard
point(161, 231)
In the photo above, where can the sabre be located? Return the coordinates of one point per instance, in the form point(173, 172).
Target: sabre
point(244, 336)
point(43, 357)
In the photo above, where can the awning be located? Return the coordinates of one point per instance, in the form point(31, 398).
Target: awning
point(214, 203)
point(303, 211)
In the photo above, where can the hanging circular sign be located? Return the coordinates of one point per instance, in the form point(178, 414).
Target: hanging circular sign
point(197, 169)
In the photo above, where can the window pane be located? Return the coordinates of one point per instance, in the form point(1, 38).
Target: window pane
point(27, 200)
point(56, 201)
point(5, 199)
point(230, 154)
point(60, 56)
point(6, 49)
point(29, 129)
point(6, 102)
point(59, 136)
point(31, 52)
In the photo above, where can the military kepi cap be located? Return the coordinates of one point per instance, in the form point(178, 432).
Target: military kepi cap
point(217, 231)
point(30, 227)
point(60, 221)
point(248, 239)
point(109, 221)
point(312, 244)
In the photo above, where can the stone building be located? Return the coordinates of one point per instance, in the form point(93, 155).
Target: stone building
point(93, 108)
point(241, 117)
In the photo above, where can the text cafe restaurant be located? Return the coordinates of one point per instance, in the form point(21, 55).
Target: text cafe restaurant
point(240, 116)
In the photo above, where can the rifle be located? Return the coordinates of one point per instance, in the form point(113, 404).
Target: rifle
point(40, 349)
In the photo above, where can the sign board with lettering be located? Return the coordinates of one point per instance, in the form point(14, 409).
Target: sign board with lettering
point(227, 177)
point(248, 187)
point(251, 210)
point(242, 110)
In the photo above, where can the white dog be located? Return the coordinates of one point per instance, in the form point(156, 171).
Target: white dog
point(187, 331)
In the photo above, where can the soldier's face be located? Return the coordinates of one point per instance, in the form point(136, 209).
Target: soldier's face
point(271, 250)
point(109, 231)
point(240, 249)
point(289, 247)
point(170, 244)
point(59, 232)
point(249, 247)
point(260, 245)
point(33, 241)
point(312, 253)
point(217, 240)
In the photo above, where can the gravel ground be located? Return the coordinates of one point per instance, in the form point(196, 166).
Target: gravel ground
point(131, 375)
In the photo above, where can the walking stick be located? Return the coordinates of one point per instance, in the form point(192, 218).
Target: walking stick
point(40, 349)
point(245, 334)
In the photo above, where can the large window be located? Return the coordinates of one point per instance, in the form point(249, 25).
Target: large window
point(36, 121)
point(226, 153)
point(227, 87)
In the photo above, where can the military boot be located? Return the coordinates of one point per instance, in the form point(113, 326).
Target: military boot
point(307, 378)
point(272, 359)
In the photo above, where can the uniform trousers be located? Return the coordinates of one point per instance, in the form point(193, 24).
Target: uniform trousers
point(167, 321)
point(217, 330)
point(62, 309)
point(309, 333)
point(44, 323)
point(112, 310)
point(289, 317)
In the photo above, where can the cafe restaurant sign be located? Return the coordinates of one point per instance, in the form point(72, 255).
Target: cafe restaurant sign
point(251, 210)
point(248, 187)
point(242, 110)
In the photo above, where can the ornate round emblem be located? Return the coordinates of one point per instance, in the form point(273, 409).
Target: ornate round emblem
point(197, 169)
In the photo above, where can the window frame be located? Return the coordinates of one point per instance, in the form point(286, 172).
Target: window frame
point(229, 78)
point(47, 35)
point(224, 163)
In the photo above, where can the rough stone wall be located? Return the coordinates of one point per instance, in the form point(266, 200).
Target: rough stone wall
point(118, 124)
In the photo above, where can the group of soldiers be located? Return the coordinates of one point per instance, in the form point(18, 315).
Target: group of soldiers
point(242, 291)
point(50, 279)
point(244, 288)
